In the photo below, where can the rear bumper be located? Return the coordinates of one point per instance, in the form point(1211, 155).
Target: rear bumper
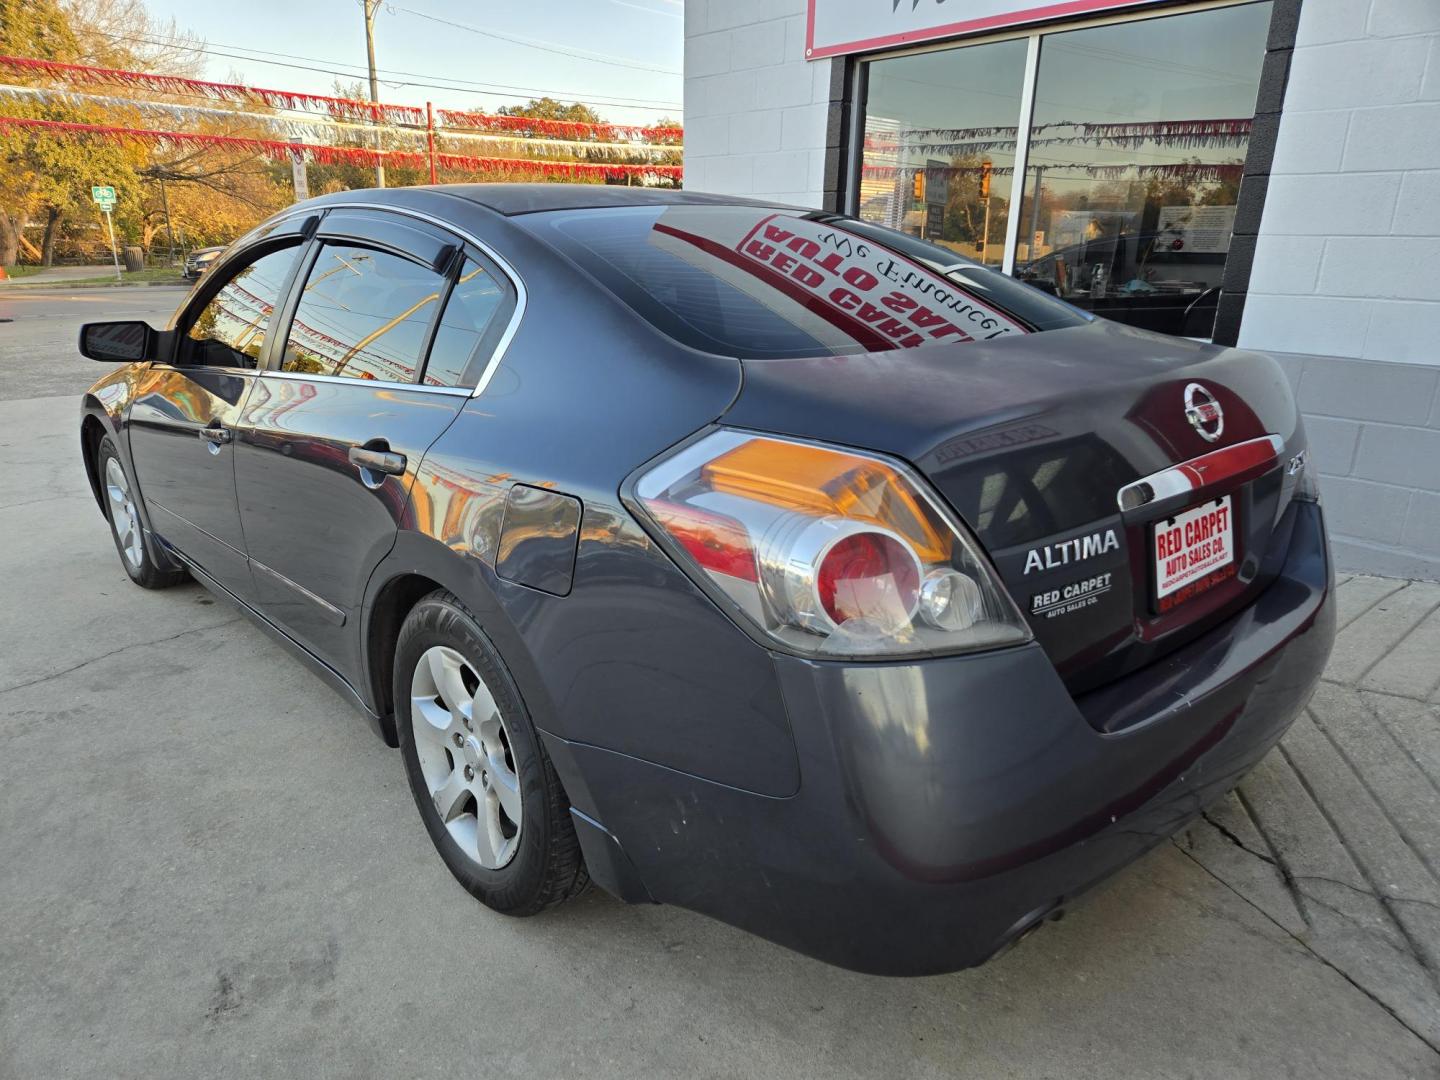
point(947, 806)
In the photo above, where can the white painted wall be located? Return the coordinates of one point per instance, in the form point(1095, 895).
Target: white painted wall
point(1347, 265)
point(1348, 258)
point(755, 110)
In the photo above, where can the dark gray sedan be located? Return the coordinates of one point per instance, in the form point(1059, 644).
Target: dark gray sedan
point(731, 555)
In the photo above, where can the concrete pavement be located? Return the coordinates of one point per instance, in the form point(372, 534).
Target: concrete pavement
point(210, 867)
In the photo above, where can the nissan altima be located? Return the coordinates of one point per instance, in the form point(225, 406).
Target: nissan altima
point(749, 558)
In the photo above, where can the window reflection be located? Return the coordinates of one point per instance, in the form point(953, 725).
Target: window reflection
point(939, 145)
point(468, 313)
point(363, 314)
point(1134, 157)
point(230, 329)
point(1137, 147)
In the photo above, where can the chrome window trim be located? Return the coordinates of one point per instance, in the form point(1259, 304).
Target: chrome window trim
point(385, 384)
point(501, 346)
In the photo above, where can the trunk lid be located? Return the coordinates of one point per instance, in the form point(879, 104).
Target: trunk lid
point(1031, 438)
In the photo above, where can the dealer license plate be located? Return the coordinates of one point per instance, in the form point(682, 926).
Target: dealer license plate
point(1192, 551)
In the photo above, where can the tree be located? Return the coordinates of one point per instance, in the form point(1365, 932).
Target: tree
point(122, 34)
point(49, 175)
point(212, 194)
point(548, 108)
point(36, 28)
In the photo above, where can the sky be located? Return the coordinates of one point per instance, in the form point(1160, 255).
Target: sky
point(623, 57)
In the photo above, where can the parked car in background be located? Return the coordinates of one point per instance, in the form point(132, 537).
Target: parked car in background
point(743, 557)
point(200, 260)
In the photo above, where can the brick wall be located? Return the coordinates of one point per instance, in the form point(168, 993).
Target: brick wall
point(1347, 264)
point(757, 114)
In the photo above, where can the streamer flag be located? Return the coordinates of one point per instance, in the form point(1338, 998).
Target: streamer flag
point(335, 107)
point(285, 151)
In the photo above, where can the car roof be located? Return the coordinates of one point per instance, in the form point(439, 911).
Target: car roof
point(511, 199)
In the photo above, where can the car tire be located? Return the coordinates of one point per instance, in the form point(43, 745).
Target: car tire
point(117, 489)
point(481, 778)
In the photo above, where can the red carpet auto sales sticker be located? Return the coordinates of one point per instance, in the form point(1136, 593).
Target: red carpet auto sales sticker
point(866, 292)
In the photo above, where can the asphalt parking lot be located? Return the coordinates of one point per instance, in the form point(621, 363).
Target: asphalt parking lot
point(210, 867)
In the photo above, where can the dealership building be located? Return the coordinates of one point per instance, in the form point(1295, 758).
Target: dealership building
point(1263, 173)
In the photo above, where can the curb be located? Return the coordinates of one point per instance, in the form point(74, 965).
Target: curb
point(5, 285)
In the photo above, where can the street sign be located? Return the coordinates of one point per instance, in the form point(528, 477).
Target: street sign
point(298, 177)
point(104, 196)
point(937, 182)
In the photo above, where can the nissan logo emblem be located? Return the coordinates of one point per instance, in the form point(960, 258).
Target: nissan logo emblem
point(1204, 412)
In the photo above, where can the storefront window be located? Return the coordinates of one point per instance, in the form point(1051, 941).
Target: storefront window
point(940, 145)
point(1134, 152)
point(1136, 148)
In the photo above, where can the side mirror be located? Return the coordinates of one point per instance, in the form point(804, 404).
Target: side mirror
point(117, 342)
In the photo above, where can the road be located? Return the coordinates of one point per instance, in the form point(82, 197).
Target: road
point(37, 349)
point(210, 868)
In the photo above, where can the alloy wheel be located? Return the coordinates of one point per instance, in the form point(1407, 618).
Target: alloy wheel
point(123, 518)
point(465, 756)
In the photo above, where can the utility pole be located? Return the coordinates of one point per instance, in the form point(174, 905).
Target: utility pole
point(169, 229)
point(371, 7)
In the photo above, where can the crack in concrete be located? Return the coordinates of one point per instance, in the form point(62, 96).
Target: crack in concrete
point(1381, 897)
point(1292, 880)
point(1292, 888)
point(116, 652)
point(1223, 831)
point(51, 498)
point(1382, 693)
point(1310, 950)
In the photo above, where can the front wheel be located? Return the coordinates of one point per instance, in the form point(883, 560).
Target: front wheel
point(124, 518)
point(482, 781)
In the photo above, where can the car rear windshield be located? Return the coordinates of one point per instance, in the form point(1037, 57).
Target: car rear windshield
point(757, 282)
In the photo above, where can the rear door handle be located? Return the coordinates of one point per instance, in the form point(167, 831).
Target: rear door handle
point(215, 435)
point(377, 461)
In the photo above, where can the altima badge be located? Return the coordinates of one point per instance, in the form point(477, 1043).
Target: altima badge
point(1204, 412)
point(1052, 556)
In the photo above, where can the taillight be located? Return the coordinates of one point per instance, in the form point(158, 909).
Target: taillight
point(830, 552)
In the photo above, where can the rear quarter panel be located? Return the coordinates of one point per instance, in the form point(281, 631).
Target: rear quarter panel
point(635, 659)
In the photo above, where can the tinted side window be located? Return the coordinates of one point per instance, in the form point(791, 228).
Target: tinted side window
point(230, 329)
point(455, 357)
point(363, 314)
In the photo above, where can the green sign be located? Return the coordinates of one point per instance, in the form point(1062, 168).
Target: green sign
point(103, 194)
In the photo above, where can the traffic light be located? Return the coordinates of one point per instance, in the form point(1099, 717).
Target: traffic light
point(919, 191)
point(985, 168)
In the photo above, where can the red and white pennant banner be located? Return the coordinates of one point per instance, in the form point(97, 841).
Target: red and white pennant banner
point(329, 155)
point(336, 107)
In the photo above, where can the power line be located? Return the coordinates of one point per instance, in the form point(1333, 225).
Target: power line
point(491, 89)
point(559, 50)
point(482, 87)
point(653, 11)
